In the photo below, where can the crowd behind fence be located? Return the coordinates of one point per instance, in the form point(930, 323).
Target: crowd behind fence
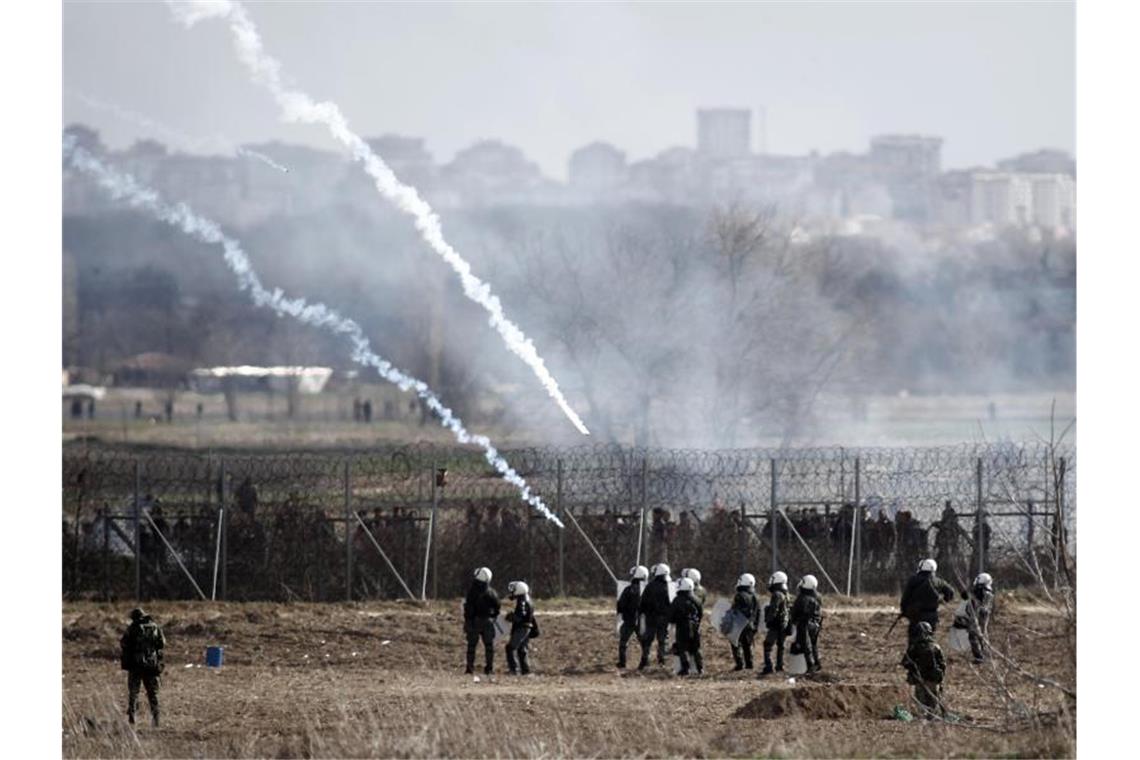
point(412, 521)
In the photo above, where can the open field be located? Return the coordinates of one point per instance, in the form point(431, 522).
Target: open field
point(385, 679)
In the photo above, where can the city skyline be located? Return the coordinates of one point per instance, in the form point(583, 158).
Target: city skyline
point(827, 77)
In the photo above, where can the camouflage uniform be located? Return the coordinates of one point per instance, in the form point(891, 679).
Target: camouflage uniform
point(685, 613)
point(776, 620)
point(627, 607)
point(522, 623)
point(925, 669)
point(979, 607)
point(920, 598)
point(655, 605)
point(141, 656)
point(807, 617)
point(480, 609)
point(746, 603)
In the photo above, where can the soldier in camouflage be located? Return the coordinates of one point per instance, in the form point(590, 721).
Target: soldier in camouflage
point(925, 670)
point(979, 607)
point(141, 656)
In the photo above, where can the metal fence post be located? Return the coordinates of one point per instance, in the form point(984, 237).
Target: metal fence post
point(980, 520)
point(434, 542)
point(742, 538)
point(430, 548)
point(138, 532)
point(561, 531)
point(1029, 532)
point(106, 552)
point(644, 506)
point(348, 534)
point(857, 526)
point(225, 528)
point(772, 517)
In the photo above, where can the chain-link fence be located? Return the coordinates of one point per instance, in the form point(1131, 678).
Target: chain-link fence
point(415, 520)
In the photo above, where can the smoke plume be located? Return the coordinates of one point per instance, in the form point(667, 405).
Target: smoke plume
point(126, 188)
point(299, 106)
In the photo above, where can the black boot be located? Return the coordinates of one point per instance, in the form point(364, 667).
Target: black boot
point(780, 660)
point(699, 662)
point(524, 665)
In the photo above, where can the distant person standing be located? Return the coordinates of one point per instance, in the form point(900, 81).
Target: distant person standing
point(523, 628)
point(979, 607)
point(807, 617)
point(685, 615)
point(655, 605)
point(776, 621)
point(920, 598)
point(746, 604)
point(480, 608)
point(141, 656)
point(627, 606)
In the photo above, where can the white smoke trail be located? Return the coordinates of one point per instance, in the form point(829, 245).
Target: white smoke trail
point(243, 151)
point(298, 106)
point(124, 187)
point(175, 136)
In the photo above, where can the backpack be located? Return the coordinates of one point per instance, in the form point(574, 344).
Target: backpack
point(148, 646)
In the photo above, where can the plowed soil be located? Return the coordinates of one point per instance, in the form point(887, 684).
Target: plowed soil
point(386, 679)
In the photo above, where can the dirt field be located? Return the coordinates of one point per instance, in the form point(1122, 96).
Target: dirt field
point(386, 679)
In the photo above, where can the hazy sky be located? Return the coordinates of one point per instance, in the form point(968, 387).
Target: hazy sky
point(993, 79)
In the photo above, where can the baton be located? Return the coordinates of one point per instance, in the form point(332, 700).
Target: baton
point(896, 622)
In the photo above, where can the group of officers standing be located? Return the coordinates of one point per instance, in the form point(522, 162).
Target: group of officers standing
point(647, 612)
point(646, 608)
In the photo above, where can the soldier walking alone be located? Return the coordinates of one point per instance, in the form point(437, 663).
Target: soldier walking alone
point(141, 656)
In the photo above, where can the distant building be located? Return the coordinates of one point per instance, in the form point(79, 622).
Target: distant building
point(908, 165)
point(1054, 201)
point(491, 171)
point(1044, 161)
point(407, 157)
point(597, 168)
point(724, 133)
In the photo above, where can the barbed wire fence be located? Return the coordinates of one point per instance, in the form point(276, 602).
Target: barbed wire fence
point(413, 521)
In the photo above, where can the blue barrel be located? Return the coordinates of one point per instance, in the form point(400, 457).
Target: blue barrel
point(214, 657)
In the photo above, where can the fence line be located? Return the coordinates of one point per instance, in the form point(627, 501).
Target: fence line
point(271, 525)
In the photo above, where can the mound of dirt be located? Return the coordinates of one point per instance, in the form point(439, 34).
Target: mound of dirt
point(834, 702)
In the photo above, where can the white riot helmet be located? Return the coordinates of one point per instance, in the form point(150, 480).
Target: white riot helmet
point(779, 578)
point(685, 584)
point(748, 579)
point(639, 573)
point(661, 571)
point(483, 574)
point(517, 589)
point(809, 582)
point(692, 574)
point(984, 579)
point(927, 566)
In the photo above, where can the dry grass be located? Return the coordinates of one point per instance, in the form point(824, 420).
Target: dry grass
point(292, 687)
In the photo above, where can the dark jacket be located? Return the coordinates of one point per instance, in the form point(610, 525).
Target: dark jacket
point(141, 646)
point(654, 602)
point(748, 604)
point(522, 616)
point(922, 594)
point(807, 611)
point(776, 614)
point(923, 659)
point(628, 603)
point(481, 602)
point(685, 613)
